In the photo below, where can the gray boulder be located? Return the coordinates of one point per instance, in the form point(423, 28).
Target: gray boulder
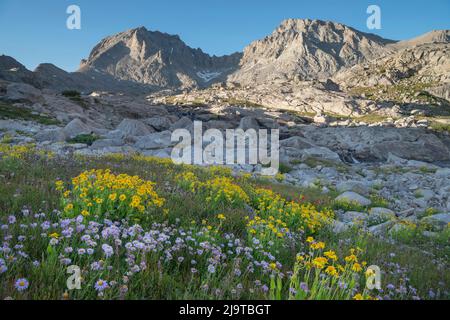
point(23, 92)
point(75, 128)
point(357, 218)
point(159, 123)
point(438, 221)
point(159, 140)
point(353, 185)
point(248, 123)
point(132, 127)
point(182, 123)
point(52, 135)
point(353, 197)
point(105, 143)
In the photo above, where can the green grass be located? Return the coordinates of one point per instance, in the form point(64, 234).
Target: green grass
point(8, 111)
point(30, 182)
point(440, 127)
point(75, 96)
point(84, 138)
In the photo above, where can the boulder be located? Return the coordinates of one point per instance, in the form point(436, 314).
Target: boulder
point(438, 221)
point(22, 92)
point(51, 135)
point(159, 140)
point(379, 215)
point(105, 143)
point(296, 142)
point(248, 122)
point(321, 153)
point(443, 173)
point(353, 185)
point(75, 128)
point(132, 127)
point(382, 228)
point(159, 123)
point(355, 217)
point(182, 123)
point(338, 226)
point(353, 197)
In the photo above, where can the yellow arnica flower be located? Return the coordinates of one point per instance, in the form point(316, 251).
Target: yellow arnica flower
point(320, 262)
point(331, 271)
point(84, 213)
point(317, 245)
point(351, 258)
point(273, 266)
point(309, 239)
point(358, 297)
point(221, 217)
point(112, 196)
point(69, 207)
point(356, 267)
point(330, 255)
point(54, 235)
point(122, 197)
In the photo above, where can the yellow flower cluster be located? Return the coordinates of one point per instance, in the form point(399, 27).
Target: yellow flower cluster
point(278, 216)
point(325, 273)
point(100, 192)
point(222, 190)
point(218, 191)
point(21, 151)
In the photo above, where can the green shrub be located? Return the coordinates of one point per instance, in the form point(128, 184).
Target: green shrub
point(84, 138)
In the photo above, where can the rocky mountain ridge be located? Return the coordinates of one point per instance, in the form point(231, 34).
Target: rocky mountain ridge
point(158, 59)
point(307, 50)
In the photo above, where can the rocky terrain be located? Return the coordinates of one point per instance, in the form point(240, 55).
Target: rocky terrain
point(360, 117)
point(307, 50)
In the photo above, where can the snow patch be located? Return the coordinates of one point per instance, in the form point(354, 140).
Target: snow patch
point(207, 75)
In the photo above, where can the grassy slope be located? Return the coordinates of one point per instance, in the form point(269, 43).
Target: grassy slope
point(30, 182)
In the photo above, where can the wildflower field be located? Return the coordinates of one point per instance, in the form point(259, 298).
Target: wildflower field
point(143, 228)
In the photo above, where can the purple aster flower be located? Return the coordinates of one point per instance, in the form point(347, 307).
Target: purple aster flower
point(101, 285)
point(21, 284)
point(304, 287)
point(108, 250)
point(431, 294)
point(211, 268)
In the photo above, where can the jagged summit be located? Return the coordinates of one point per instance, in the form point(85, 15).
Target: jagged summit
point(141, 60)
point(156, 58)
point(307, 49)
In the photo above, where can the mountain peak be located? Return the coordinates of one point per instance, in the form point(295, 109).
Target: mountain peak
point(157, 58)
point(307, 49)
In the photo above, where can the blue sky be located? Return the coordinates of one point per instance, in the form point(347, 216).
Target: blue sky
point(35, 31)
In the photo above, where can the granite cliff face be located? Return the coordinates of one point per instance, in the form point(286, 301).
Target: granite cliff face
point(307, 50)
point(159, 59)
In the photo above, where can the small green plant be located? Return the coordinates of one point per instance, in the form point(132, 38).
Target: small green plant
point(8, 111)
point(347, 206)
point(284, 168)
point(71, 93)
point(378, 201)
point(84, 138)
point(74, 96)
